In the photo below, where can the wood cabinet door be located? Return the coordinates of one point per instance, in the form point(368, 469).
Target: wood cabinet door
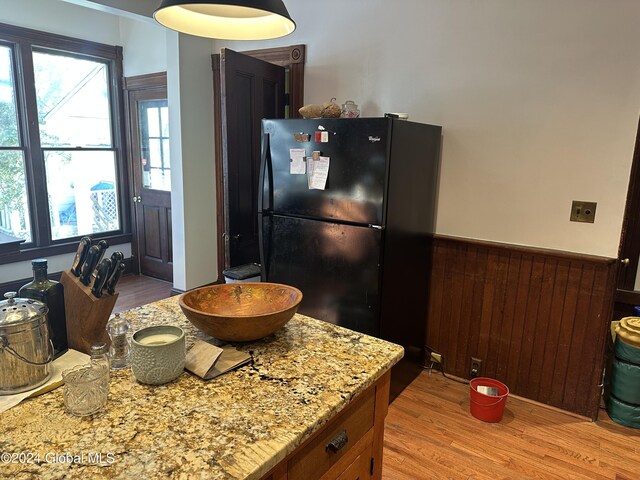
point(360, 469)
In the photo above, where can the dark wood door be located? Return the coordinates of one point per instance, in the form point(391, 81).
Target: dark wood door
point(251, 90)
point(151, 166)
point(627, 293)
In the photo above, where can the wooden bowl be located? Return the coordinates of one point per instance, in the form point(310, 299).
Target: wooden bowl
point(240, 312)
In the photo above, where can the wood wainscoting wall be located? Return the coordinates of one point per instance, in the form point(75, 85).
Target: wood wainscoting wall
point(537, 319)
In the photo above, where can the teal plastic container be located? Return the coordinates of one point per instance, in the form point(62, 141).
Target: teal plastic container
point(623, 413)
point(624, 389)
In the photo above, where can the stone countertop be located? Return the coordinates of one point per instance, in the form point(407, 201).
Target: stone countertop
point(239, 425)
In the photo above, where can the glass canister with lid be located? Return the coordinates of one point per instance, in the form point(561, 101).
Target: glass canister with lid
point(350, 110)
point(26, 351)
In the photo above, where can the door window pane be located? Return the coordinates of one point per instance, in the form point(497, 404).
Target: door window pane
point(153, 121)
point(82, 190)
point(14, 207)
point(164, 120)
point(73, 101)
point(8, 118)
point(154, 144)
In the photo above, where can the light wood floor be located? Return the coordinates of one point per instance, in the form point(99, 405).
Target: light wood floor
point(430, 434)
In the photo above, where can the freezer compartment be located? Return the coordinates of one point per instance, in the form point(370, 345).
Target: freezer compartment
point(336, 266)
point(357, 148)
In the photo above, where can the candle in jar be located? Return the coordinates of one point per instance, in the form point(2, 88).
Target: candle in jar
point(158, 339)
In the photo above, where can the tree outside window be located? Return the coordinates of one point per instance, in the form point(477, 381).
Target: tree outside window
point(59, 151)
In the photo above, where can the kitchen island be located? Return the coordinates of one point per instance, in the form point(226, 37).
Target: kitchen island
point(311, 402)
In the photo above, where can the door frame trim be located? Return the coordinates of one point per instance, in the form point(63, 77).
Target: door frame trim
point(625, 295)
point(292, 58)
point(129, 85)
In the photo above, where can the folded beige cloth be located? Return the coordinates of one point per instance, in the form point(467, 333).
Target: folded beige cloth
point(209, 361)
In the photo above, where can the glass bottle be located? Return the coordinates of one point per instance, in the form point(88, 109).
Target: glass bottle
point(100, 356)
point(120, 351)
point(50, 293)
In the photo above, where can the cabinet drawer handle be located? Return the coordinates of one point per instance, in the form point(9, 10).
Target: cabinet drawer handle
point(339, 441)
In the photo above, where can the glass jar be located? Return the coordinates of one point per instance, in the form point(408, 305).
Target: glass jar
point(350, 110)
point(86, 388)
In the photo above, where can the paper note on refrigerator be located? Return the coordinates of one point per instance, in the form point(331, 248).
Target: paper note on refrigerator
point(297, 165)
point(318, 172)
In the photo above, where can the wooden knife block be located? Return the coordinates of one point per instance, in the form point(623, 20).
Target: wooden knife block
point(87, 315)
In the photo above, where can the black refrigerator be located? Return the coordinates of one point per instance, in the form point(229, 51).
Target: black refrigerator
point(358, 244)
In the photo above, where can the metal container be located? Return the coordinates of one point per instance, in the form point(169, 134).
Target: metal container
point(26, 351)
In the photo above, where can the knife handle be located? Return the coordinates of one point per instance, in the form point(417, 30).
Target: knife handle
point(102, 245)
point(81, 255)
point(89, 264)
point(102, 273)
point(116, 258)
point(111, 285)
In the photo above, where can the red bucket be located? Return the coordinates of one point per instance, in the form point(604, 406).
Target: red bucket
point(488, 408)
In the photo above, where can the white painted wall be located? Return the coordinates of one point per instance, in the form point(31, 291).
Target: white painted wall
point(137, 9)
point(144, 47)
point(539, 102)
point(62, 18)
point(144, 51)
point(193, 196)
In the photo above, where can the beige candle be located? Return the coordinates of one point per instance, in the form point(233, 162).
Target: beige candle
point(158, 339)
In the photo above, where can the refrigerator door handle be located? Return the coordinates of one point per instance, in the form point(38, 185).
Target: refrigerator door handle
point(263, 216)
point(265, 169)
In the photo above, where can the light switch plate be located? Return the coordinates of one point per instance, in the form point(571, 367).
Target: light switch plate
point(583, 211)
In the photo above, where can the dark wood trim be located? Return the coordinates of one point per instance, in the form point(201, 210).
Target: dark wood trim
point(292, 57)
point(119, 141)
point(148, 80)
point(630, 236)
point(283, 56)
point(625, 303)
point(629, 297)
point(10, 248)
point(537, 318)
point(59, 42)
point(217, 134)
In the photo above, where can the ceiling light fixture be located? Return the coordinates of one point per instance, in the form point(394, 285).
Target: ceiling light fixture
point(226, 19)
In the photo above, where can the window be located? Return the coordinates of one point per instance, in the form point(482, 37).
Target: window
point(154, 139)
point(61, 161)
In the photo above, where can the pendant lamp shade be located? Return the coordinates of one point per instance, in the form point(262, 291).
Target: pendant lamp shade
point(226, 19)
